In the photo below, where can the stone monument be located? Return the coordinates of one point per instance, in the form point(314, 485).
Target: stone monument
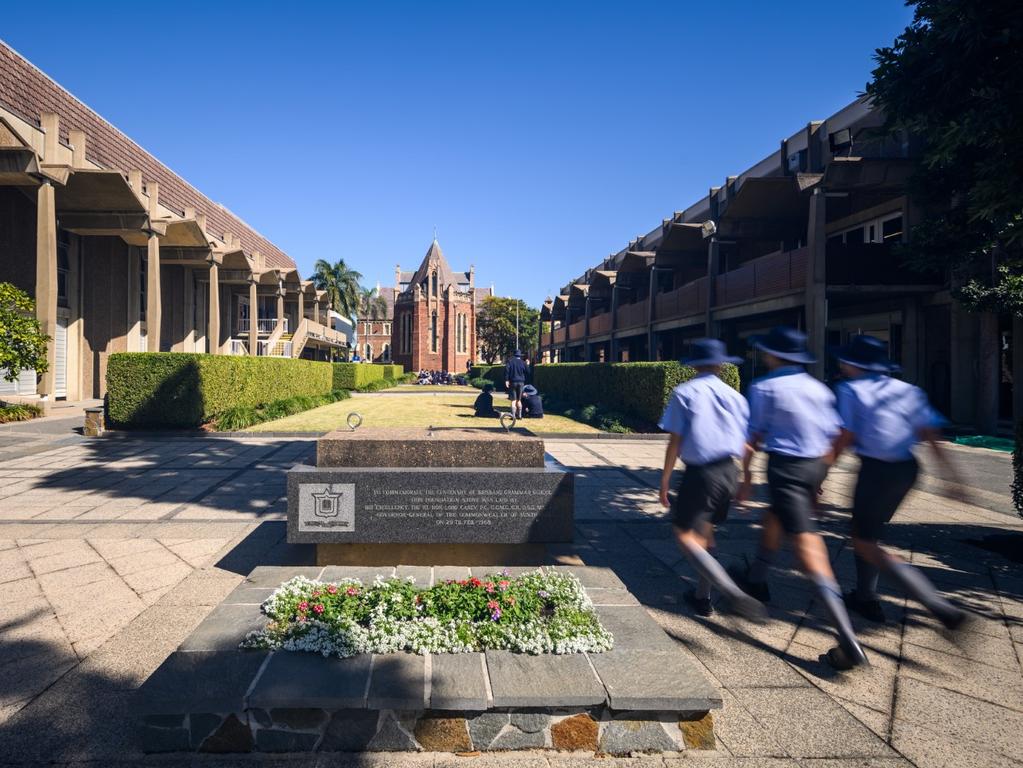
point(430, 497)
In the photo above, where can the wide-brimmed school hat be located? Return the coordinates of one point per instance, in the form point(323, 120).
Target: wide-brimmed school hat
point(866, 352)
point(529, 389)
point(518, 353)
point(704, 352)
point(785, 344)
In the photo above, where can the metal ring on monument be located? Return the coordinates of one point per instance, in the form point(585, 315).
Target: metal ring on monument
point(507, 421)
point(354, 421)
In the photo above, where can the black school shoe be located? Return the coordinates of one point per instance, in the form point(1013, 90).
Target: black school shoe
point(701, 606)
point(868, 609)
point(843, 659)
point(758, 590)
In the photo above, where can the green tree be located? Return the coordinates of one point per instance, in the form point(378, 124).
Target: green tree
point(495, 327)
point(372, 306)
point(341, 283)
point(954, 81)
point(22, 342)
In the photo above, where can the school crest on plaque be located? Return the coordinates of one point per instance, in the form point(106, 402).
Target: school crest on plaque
point(326, 507)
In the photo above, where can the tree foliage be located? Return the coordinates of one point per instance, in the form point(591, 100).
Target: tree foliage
point(22, 341)
point(954, 80)
point(372, 306)
point(495, 327)
point(341, 283)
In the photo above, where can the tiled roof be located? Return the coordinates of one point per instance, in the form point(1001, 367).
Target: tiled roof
point(27, 91)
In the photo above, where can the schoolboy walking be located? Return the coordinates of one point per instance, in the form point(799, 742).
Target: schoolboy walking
point(793, 418)
point(883, 418)
point(707, 420)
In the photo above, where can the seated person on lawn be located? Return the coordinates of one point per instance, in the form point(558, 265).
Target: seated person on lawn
point(532, 405)
point(484, 404)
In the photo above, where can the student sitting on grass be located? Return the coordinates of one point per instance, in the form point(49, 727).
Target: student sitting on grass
point(484, 404)
point(532, 405)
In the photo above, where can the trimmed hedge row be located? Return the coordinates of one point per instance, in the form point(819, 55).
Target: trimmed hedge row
point(393, 371)
point(639, 390)
point(493, 373)
point(182, 389)
point(357, 375)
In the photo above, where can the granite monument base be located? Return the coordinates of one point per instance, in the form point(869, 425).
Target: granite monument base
point(644, 695)
point(438, 447)
point(428, 554)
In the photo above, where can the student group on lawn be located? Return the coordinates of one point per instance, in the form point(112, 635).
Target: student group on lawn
point(803, 427)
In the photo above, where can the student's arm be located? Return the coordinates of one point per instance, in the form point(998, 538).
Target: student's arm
point(949, 472)
point(842, 441)
point(752, 445)
point(670, 456)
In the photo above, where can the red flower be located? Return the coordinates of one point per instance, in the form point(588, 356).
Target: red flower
point(475, 582)
point(303, 606)
point(316, 593)
point(493, 605)
point(332, 589)
point(351, 591)
point(318, 608)
point(489, 586)
point(504, 584)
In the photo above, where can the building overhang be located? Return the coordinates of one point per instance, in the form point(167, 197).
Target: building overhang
point(636, 261)
point(867, 174)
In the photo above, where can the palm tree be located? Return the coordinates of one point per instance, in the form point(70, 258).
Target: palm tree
point(372, 306)
point(341, 284)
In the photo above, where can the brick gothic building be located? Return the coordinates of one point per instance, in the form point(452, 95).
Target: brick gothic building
point(434, 311)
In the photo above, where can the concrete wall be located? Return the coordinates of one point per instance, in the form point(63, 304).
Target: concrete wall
point(18, 238)
point(105, 295)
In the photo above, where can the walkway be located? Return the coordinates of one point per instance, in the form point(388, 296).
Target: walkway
point(112, 551)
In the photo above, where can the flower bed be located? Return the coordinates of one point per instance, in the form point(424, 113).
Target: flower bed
point(543, 611)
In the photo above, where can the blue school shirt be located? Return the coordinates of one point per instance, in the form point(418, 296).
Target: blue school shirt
point(711, 418)
point(885, 414)
point(793, 412)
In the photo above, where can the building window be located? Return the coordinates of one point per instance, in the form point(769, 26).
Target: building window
point(435, 291)
point(433, 331)
point(387, 329)
point(63, 267)
point(387, 353)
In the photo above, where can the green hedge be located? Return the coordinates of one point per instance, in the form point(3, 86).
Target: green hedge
point(393, 371)
point(494, 373)
point(639, 390)
point(177, 389)
point(357, 375)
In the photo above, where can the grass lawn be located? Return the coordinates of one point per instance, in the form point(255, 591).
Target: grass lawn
point(451, 409)
point(466, 390)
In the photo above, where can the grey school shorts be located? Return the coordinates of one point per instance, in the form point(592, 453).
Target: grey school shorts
point(880, 489)
point(705, 493)
point(792, 483)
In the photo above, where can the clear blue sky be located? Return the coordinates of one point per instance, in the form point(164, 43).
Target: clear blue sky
point(537, 137)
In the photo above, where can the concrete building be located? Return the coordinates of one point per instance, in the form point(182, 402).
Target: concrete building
point(434, 315)
point(805, 237)
point(123, 255)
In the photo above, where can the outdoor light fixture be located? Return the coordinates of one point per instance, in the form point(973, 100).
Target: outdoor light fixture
point(708, 228)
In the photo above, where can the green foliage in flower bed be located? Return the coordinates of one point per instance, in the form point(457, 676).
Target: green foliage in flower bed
point(638, 390)
point(19, 412)
point(543, 611)
point(183, 389)
point(245, 416)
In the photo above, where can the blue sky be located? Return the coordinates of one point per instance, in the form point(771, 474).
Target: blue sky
point(536, 137)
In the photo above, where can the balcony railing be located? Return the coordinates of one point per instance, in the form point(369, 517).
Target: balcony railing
point(767, 276)
point(275, 349)
point(688, 299)
point(577, 330)
point(631, 315)
point(263, 325)
point(600, 323)
point(237, 347)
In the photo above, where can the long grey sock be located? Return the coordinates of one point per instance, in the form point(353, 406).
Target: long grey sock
point(831, 596)
point(711, 573)
point(703, 589)
point(917, 585)
point(866, 579)
point(761, 565)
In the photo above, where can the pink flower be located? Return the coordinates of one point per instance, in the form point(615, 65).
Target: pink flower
point(332, 589)
point(318, 608)
point(303, 606)
point(489, 586)
point(493, 605)
point(351, 591)
point(316, 593)
point(504, 584)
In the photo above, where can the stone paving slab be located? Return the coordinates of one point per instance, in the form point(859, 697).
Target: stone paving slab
point(292, 680)
point(201, 681)
point(458, 681)
point(518, 680)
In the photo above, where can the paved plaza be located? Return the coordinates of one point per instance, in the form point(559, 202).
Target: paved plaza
point(113, 550)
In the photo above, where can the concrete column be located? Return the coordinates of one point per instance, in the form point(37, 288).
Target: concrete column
point(301, 308)
point(988, 373)
point(46, 280)
point(280, 307)
point(253, 317)
point(816, 282)
point(713, 267)
point(963, 333)
point(213, 345)
point(154, 303)
point(316, 311)
point(651, 348)
point(614, 323)
point(911, 341)
point(587, 354)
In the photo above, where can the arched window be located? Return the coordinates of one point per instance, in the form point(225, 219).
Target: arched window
point(435, 291)
point(387, 353)
point(433, 331)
